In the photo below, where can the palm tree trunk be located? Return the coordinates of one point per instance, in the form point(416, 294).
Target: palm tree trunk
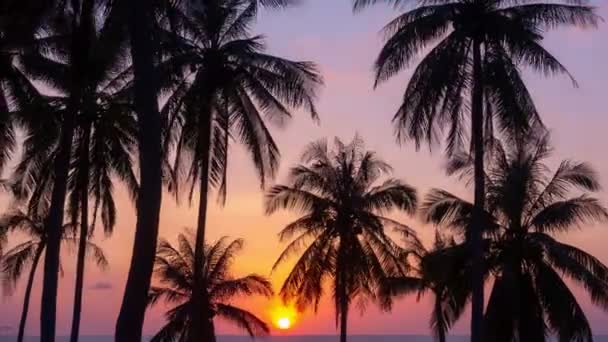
point(54, 222)
point(439, 320)
point(28, 293)
point(84, 232)
point(54, 229)
point(209, 331)
point(200, 298)
point(341, 269)
point(479, 203)
point(343, 318)
point(131, 318)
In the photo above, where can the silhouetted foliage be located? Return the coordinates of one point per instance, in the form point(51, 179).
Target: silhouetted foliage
point(28, 253)
point(526, 207)
point(341, 239)
point(220, 85)
point(475, 51)
point(84, 80)
point(104, 134)
point(174, 269)
point(442, 271)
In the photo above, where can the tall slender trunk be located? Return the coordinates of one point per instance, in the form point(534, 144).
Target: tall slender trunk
point(479, 203)
point(54, 225)
point(131, 318)
point(84, 232)
point(200, 298)
point(79, 51)
point(341, 279)
point(343, 307)
point(209, 332)
point(440, 321)
point(343, 318)
point(28, 293)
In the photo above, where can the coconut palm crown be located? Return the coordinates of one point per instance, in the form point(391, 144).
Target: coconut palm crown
point(527, 207)
point(340, 239)
point(174, 270)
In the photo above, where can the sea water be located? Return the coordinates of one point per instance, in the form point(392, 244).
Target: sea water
point(307, 338)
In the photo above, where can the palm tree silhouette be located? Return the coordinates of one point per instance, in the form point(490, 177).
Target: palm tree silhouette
point(480, 47)
point(104, 134)
point(526, 208)
point(174, 269)
point(17, 259)
point(80, 16)
point(226, 86)
point(441, 271)
point(139, 16)
point(342, 230)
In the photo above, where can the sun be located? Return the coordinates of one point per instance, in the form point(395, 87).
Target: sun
point(283, 316)
point(283, 323)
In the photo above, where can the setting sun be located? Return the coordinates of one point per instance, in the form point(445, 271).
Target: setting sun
point(284, 323)
point(283, 316)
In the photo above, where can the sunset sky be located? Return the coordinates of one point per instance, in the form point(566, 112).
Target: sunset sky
point(345, 45)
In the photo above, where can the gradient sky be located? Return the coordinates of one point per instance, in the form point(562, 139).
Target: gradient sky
point(344, 45)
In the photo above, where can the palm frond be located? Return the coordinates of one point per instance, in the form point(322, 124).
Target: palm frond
point(14, 262)
point(392, 194)
point(243, 319)
point(568, 214)
point(252, 284)
point(408, 35)
point(550, 16)
point(166, 294)
point(586, 270)
point(564, 314)
point(280, 196)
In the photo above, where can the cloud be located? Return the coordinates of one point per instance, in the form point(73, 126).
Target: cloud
point(101, 286)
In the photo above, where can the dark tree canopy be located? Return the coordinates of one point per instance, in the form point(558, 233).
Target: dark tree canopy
point(174, 270)
point(527, 207)
point(340, 241)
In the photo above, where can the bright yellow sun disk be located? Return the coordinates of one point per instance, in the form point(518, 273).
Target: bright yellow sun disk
point(283, 316)
point(284, 323)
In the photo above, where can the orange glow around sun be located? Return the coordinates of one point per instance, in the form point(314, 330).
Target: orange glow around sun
point(283, 316)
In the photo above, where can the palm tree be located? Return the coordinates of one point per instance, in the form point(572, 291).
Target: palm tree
point(140, 16)
point(526, 208)
point(342, 229)
point(174, 269)
point(227, 86)
point(16, 260)
point(442, 272)
point(480, 46)
point(80, 16)
point(104, 134)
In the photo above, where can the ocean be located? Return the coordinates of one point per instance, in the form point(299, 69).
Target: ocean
point(308, 338)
